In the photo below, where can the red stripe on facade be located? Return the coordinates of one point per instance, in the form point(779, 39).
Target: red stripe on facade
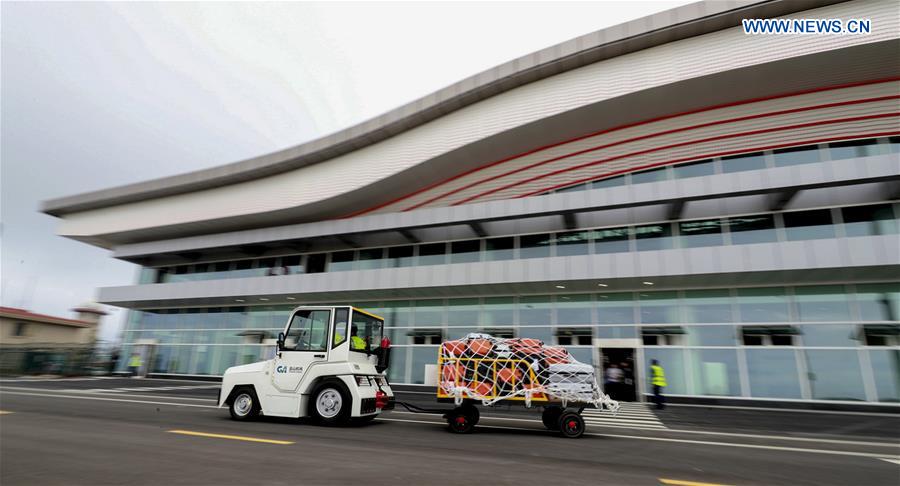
point(654, 135)
point(676, 145)
point(711, 155)
point(622, 127)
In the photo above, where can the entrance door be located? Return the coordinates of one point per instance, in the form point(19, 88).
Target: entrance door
point(305, 343)
point(619, 373)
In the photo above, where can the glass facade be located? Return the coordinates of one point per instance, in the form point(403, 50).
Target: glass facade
point(827, 358)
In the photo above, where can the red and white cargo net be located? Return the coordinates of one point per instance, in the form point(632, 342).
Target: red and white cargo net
point(490, 369)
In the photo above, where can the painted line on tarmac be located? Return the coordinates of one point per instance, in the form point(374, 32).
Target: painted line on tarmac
point(5, 412)
point(105, 399)
point(886, 413)
point(894, 461)
point(101, 393)
point(679, 482)
point(685, 441)
point(230, 437)
point(701, 432)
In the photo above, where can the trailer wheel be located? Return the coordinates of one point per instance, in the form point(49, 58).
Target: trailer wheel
point(244, 404)
point(571, 425)
point(550, 417)
point(331, 403)
point(462, 420)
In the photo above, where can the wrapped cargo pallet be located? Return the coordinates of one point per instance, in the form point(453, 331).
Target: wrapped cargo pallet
point(489, 369)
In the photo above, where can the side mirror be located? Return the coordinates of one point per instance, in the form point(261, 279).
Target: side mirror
point(280, 341)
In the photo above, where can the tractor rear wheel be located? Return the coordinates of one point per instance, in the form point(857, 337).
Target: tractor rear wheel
point(462, 420)
point(571, 425)
point(550, 417)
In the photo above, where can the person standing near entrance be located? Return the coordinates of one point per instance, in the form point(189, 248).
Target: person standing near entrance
point(134, 364)
point(658, 380)
point(614, 378)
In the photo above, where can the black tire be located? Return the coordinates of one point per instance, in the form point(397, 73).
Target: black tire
point(331, 403)
point(550, 417)
point(571, 425)
point(244, 404)
point(462, 420)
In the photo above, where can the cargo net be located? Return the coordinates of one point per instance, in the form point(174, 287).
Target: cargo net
point(489, 369)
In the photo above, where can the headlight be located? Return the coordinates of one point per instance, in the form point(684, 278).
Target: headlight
point(362, 380)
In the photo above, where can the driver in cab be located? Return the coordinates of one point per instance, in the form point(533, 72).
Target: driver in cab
point(356, 342)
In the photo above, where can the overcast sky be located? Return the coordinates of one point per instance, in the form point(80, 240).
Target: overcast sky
point(98, 95)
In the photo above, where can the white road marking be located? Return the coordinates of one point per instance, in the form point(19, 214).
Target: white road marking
point(886, 413)
point(687, 441)
point(110, 399)
point(93, 390)
point(895, 461)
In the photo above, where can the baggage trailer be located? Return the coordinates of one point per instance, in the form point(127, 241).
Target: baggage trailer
point(482, 369)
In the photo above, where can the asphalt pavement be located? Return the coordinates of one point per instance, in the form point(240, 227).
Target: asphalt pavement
point(154, 432)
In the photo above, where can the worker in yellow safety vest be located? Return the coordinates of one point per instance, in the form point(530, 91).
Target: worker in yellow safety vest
point(134, 364)
point(356, 342)
point(658, 380)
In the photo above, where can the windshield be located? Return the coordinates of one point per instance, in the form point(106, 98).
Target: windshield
point(365, 332)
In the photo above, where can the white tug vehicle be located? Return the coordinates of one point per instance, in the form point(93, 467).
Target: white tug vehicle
point(329, 365)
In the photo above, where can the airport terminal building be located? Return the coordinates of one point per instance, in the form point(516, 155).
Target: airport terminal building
point(670, 188)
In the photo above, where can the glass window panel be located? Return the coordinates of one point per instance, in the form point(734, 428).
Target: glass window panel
point(341, 261)
point(822, 303)
point(894, 144)
point(843, 335)
point(615, 308)
point(573, 243)
point(714, 372)
point(653, 237)
point(742, 162)
point(429, 313)
point(575, 188)
point(617, 332)
point(498, 311)
point(672, 362)
point(869, 220)
point(465, 251)
point(773, 373)
point(659, 307)
point(854, 148)
point(544, 333)
point(499, 248)
point(535, 311)
point(399, 358)
point(834, 375)
point(460, 332)
point(886, 369)
point(463, 312)
point(651, 175)
point(808, 225)
point(400, 256)
point(433, 254)
point(582, 355)
point(879, 302)
point(695, 234)
point(609, 182)
point(708, 306)
point(292, 264)
point(712, 335)
point(397, 313)
point(752, 229)
point(763, 305)
point(421, 356)
point(611, 240)
point(267, 266)
point(370, 258)
point(315, 263)
point(573, 309)
point(535, 246)
point(807, 154)
point(694, 169)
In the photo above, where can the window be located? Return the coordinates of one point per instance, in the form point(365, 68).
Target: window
point(822, 303)
point(714, 371)
point(879, 302)
point(769, 335)
point(340, 327)
point(615, 308)
point(663, 336)
point(370, 258)
point(653, 237)
point(429, 313)
point(425, 336)
point(315, 263)
point(881, 334)
point(752, 229)
point(569, 336)
point(243, 268)
point(869, 220)
point(695, 234)
point(534, 246)
point(609, 182)
point(20, 329)
point(652, 175)
point(500, 248)
point(573, 309)
point(694, 169)
point(796, 155)
point(853, 149)
point(575, 188)
point(400, 256)
point(886, 370)
point(659, 307)
point(808, 225)
point(463, 312)
point(712, 306)
point(341, 261)
point(763, 305)
point(465, 251)
point(611, 240)
point(839, 335)
point(499, 311)
point(308, 331)
point(367, 328)
point(742, 162)
point(773, 373)
point(573, 243)
point(894, 144)
point(535, 311)
point(433, 254)
point(292, 264)
point(834, 374)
